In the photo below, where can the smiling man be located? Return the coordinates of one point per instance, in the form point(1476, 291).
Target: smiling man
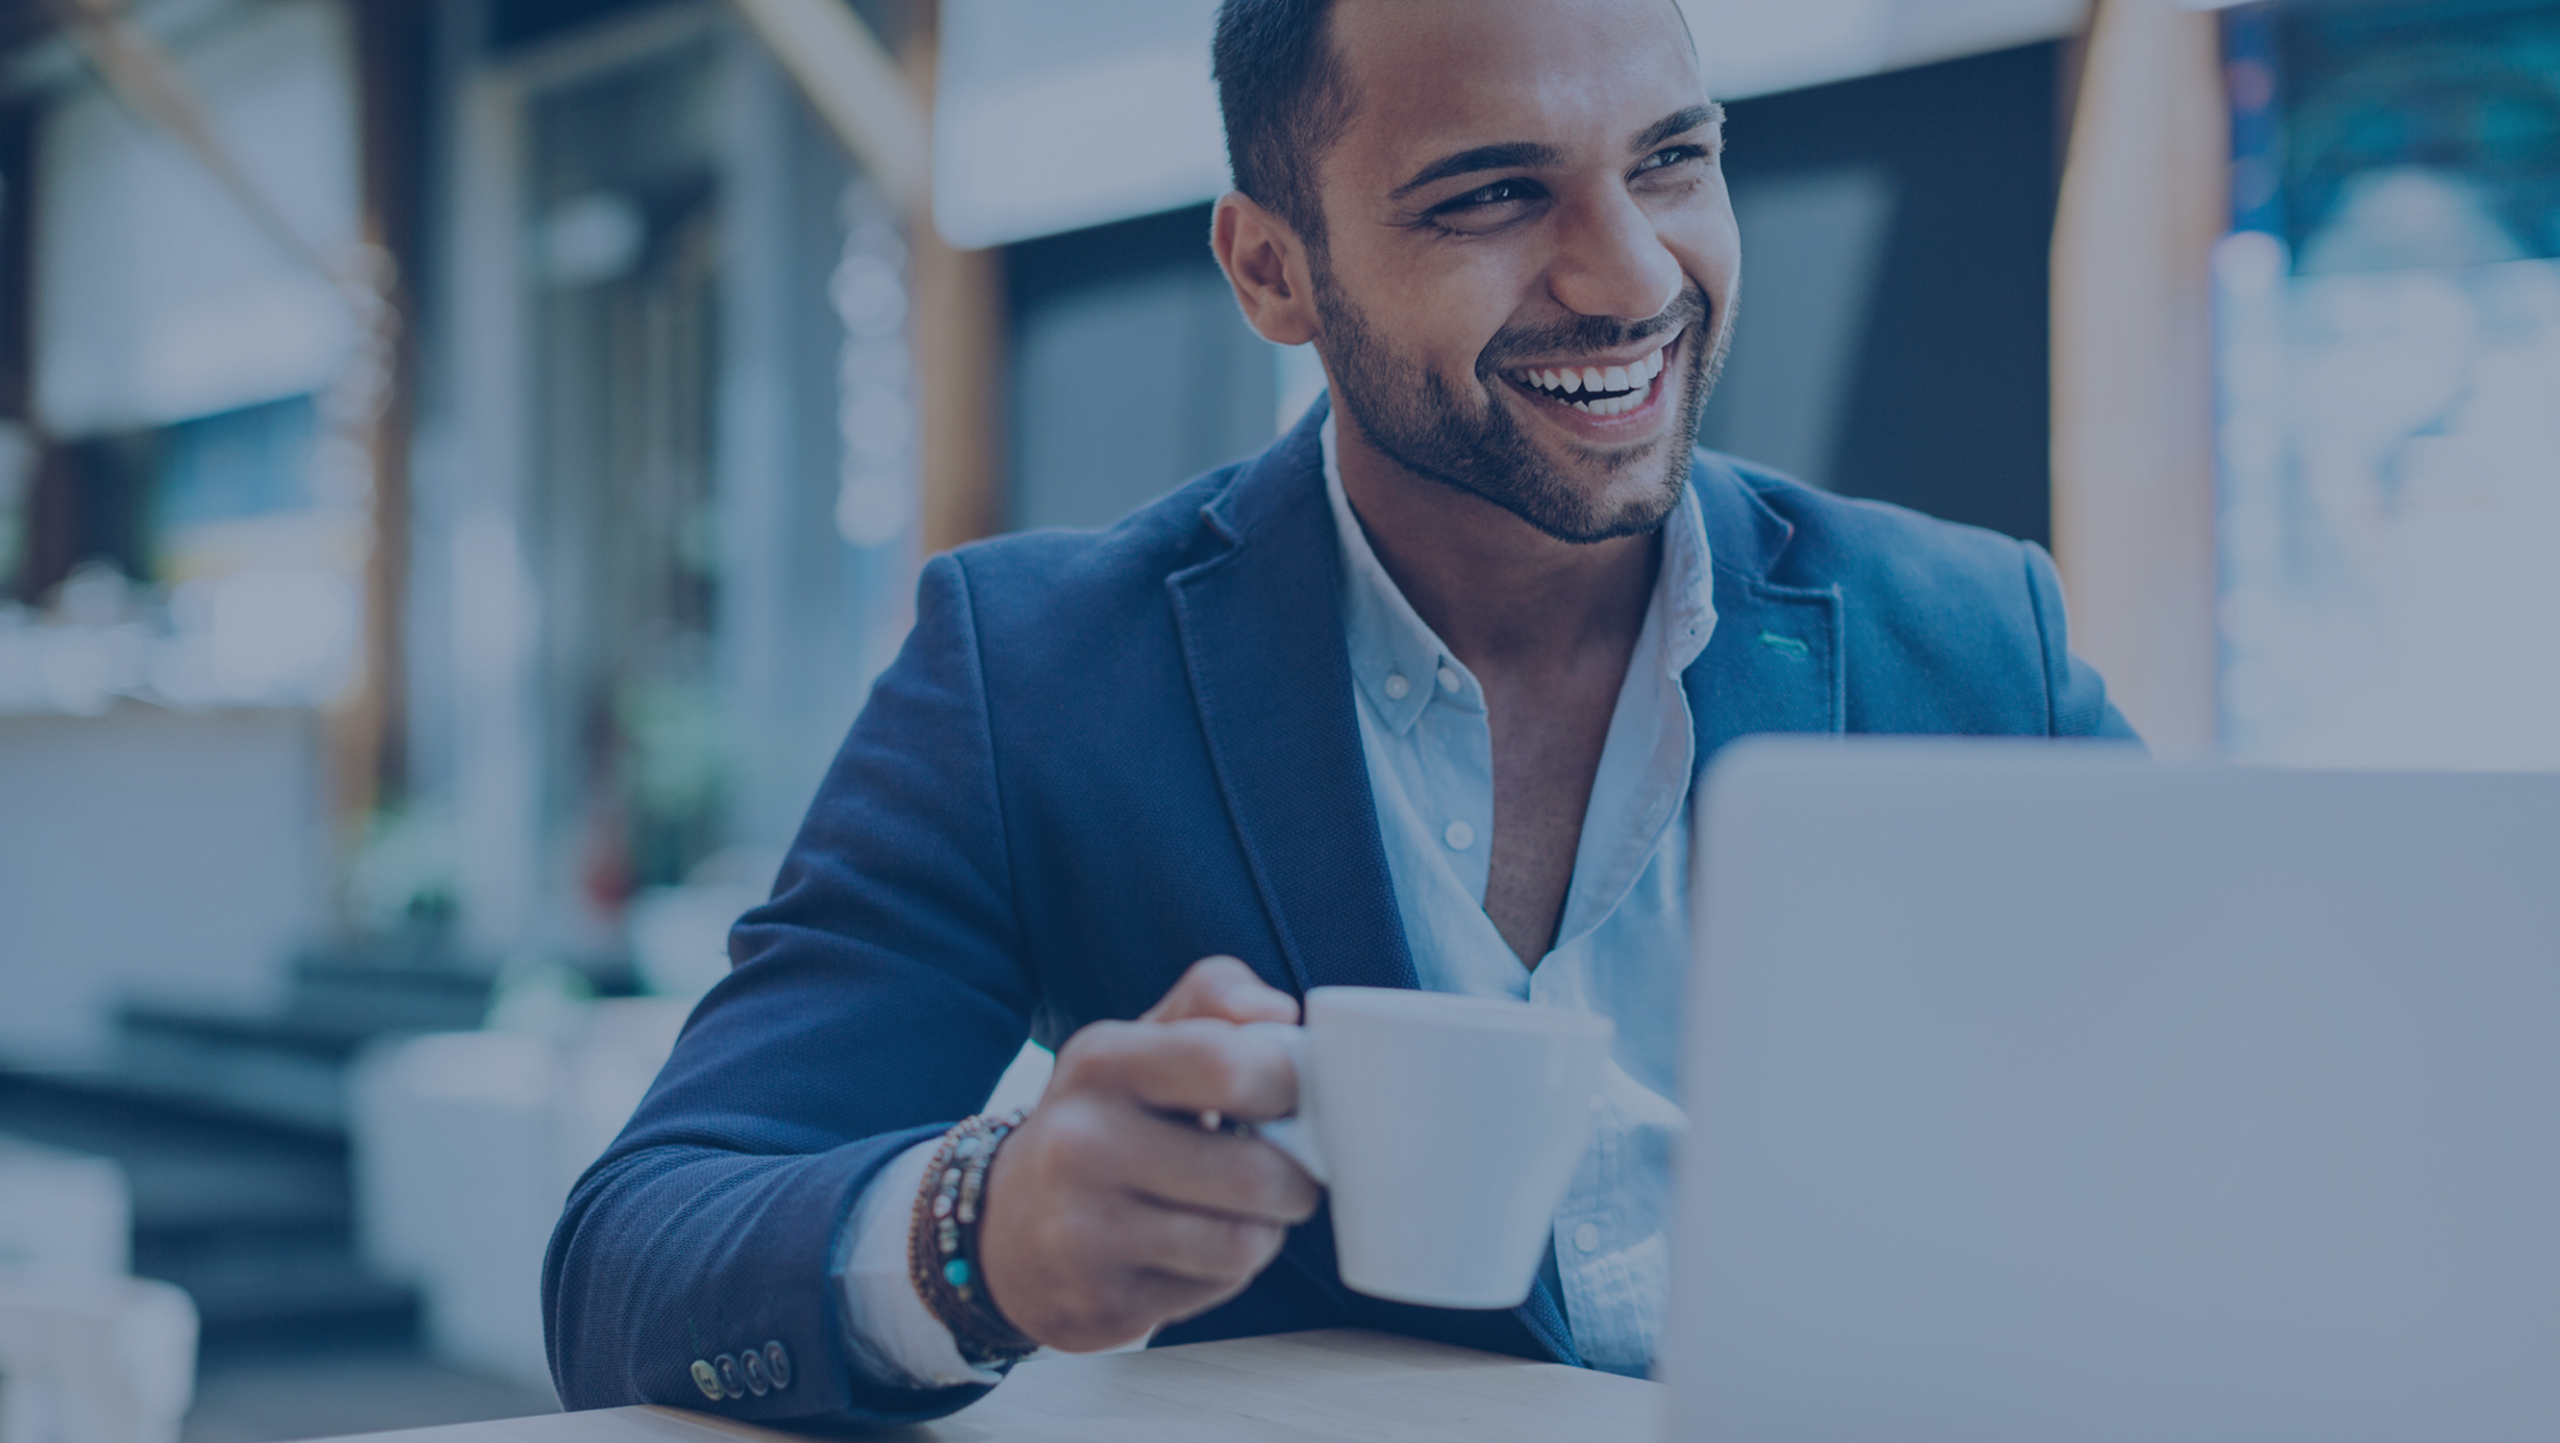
point(1417, 698)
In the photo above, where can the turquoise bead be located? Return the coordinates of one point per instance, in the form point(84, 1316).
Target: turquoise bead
point(956, 1272)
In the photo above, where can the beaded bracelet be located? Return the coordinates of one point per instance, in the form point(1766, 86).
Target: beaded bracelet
point(942, 1243)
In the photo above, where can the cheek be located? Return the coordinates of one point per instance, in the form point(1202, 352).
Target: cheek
point(1708, 243)
point(1440, 304)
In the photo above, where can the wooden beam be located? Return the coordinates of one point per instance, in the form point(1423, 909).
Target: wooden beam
point(880, 109)
point(2144, 199)
point(957, 328)
point(369, 734)
point(855, 86)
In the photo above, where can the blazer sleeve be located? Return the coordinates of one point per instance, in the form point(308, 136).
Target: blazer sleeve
point(2076, 702)
point(871, 1003)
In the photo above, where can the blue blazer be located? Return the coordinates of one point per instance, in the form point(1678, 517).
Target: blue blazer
point(1102, 756)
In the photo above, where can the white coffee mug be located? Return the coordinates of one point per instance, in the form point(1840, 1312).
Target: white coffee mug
point(1446, 1129)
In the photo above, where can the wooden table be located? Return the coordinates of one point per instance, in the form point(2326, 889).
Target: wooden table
point(1294, 1388)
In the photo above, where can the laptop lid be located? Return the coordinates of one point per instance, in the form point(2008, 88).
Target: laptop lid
point(2039, 1094)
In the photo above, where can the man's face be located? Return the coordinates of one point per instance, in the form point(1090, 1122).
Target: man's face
point(1529, 264)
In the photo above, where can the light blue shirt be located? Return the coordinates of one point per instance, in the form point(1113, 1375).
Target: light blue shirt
point(1622, 949)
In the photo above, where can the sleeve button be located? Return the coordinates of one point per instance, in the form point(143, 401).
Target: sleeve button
point(707, 1379)
point(751, 1363)
point(730, 1378)
point(777, 1364)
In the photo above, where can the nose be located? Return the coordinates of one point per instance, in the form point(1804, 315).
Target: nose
point(1611, 262)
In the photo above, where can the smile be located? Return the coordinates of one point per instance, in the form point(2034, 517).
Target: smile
point(1596, 390)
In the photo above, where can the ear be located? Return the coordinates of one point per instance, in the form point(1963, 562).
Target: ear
point(1266, 263)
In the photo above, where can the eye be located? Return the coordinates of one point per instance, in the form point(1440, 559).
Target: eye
point(1485, 209)
point(1501, 192)
point(1670, 155)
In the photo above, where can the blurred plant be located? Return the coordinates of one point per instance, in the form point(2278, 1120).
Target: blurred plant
point(17, 476)
point(400, 875)
point(539, 996)
point(674, 765)
point(675, 758)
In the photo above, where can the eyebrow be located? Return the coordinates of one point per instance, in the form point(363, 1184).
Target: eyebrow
point(1678, 122)
point(1509, 155)
point(1528, 154)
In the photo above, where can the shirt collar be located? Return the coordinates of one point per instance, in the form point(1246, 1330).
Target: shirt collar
point(1398, 662)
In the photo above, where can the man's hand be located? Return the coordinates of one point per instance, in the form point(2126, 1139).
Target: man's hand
point(1111, 1210)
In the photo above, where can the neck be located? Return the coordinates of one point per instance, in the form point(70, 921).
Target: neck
point(1503, 594)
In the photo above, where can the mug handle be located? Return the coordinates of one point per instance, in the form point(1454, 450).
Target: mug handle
point(1295, 1135)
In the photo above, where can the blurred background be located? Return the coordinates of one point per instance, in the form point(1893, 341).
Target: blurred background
point(463, 463)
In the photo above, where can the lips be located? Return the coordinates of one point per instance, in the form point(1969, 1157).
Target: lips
point(1596, 390)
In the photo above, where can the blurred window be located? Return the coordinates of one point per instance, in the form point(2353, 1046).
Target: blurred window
point(2389, 339)
point(1132, 370)
point(157, 300)
point(176, 349)
point(683, 542)
point(625, 176)
point(1892, 332)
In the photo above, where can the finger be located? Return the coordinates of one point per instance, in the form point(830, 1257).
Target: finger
point(1172, 1162)
point(1096, 1145)
point(1199, 1248)
point(1143, 1300)
point(1226, 989)
point(1193, 1066)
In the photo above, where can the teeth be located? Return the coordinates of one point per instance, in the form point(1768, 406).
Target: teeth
point(1628, 384)
point(1610, 405)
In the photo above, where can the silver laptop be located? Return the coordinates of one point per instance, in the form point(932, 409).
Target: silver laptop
point(2040, 1095)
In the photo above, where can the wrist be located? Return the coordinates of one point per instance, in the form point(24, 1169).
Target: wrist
point(942, 1243)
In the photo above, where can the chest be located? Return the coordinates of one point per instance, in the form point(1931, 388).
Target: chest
point(1548, 736)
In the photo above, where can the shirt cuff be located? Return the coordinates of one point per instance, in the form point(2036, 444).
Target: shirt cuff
point(896, 1339)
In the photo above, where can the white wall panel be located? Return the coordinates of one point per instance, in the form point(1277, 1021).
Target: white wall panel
point(157, 299)
point(1052, 115)
point(156, 852)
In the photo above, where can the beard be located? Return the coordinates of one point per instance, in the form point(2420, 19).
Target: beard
point(1476, 445)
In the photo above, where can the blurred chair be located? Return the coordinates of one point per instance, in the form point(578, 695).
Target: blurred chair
point(63, 1215)
point(465, 1147)
point(87, 1354)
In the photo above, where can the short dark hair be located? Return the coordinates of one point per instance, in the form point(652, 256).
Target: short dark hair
point(1285, 99)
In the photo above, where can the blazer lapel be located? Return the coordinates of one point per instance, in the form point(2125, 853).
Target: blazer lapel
point(1775, 662)
point(1261, 626)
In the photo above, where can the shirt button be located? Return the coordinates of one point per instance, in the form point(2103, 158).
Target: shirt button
point(1587, 1237)
point(1460, 836)
point(1448, 681)
point(1397, 687)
